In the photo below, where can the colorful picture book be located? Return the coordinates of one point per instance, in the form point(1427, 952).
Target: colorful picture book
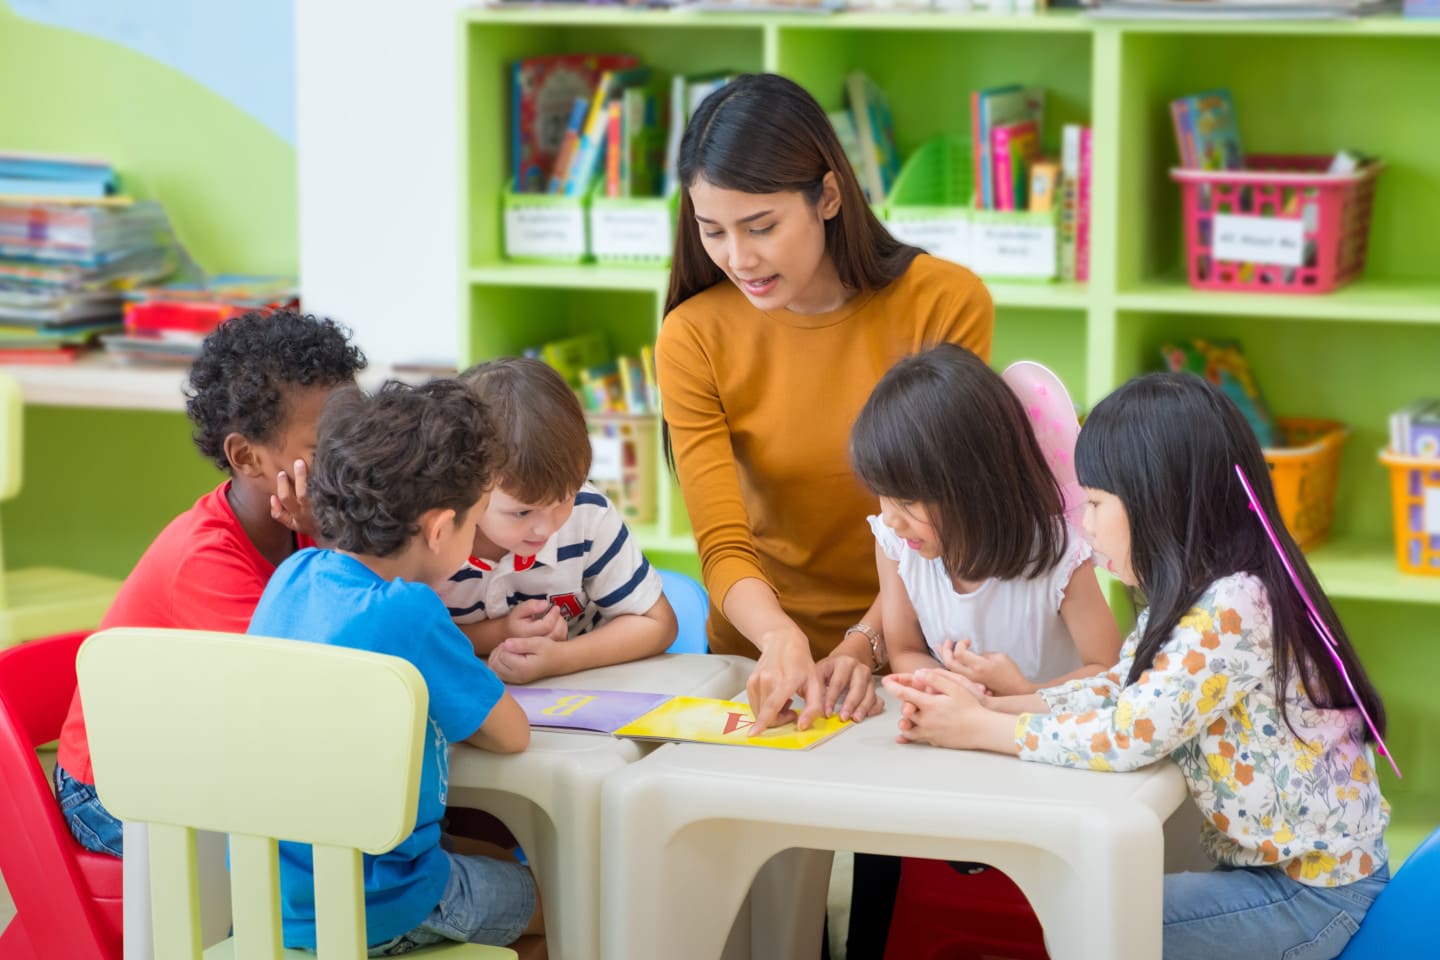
point(591, 711)
point(706, 720)
point(989, 110)
point(544, 90)
point(1206, 133)
point(875, 136)
point(658, 716)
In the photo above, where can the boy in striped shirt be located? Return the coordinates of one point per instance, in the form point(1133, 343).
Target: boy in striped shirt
point(554, 583)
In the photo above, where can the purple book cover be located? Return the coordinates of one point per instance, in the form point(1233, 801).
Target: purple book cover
point(598, 711)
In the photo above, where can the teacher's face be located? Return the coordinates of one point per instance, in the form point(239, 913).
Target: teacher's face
point(771, 245)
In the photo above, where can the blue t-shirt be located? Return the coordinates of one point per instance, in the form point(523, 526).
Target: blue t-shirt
point(327, 597)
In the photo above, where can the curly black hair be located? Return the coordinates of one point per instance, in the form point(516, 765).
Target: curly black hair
point(238, 382)
point(385, 458)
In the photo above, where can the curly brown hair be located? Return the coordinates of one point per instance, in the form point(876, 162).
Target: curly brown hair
point(383, 459)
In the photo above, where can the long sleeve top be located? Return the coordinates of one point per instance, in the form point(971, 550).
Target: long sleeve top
point(760, 407)
point(1305, 801)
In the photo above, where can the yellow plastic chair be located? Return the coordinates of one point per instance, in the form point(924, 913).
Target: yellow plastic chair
point(265, 740)
point(39, 601)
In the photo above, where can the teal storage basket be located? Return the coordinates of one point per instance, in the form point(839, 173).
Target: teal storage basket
point(545, 227)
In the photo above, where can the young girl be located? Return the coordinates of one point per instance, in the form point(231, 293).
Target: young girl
point(978, 569)
point(1223, 673)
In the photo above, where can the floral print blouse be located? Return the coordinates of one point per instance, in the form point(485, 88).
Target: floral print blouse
point(1307, 804)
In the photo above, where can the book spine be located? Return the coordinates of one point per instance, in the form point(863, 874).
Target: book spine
point(977, 196)
point(517, 126)
point(1004, 175)
point(1082, 212)
point(1184, 135)
point(568, 144)
point(1069, 192)
point(614, 148)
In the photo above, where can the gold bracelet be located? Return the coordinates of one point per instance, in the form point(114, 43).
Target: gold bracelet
point(878, 653)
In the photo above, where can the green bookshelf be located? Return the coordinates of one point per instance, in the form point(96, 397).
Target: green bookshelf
point(1316, 87)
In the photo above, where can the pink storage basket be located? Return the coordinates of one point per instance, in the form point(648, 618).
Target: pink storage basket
point(1317, 223)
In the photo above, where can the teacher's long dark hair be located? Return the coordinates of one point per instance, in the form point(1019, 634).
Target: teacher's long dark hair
point(1166, 445)
point(764, 133)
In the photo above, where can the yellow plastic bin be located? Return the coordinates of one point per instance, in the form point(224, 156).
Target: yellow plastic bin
point(1415, 510)
point(623, 467)
point(1305, 474)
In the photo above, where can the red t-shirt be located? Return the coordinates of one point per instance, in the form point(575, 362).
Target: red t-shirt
point(201, 573)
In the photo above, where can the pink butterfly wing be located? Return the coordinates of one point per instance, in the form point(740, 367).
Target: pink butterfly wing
point(1052, 417)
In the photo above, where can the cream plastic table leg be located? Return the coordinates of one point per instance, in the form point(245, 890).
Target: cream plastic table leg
point(214, 890)
point(549, 796)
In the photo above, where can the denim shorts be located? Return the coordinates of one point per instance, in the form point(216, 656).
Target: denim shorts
point(486, 901)
point(1260, 913)
point(91, 824)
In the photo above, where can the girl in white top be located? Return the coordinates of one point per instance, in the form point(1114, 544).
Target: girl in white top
point(978, 569)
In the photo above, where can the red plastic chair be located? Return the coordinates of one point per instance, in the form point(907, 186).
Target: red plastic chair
point(68, 900)
point(944, 914)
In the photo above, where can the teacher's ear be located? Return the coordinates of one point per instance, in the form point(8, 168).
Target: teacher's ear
point(829, 204)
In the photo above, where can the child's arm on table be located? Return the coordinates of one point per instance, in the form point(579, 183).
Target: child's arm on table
point(505, 730)
point(531, 618)
point(628, 637)
point(903, 638)
point(939, 708)
point(1091, 626)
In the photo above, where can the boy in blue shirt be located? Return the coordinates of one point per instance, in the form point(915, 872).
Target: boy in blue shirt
point(400, 480)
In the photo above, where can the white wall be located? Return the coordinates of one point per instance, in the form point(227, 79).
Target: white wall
point(377, 138)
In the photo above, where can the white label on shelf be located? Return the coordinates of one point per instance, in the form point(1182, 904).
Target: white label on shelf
point(607, 459)
point(545, 232)
point(621, 232)
point(944, 238)
point(1013, 250)
point(1432, 510)
point(1259, 239)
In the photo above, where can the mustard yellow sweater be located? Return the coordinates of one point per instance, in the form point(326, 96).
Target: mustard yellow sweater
point(760, 407)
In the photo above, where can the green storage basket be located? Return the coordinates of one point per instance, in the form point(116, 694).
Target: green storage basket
point(632, 231)
point(545, 227)
point(1015, 245)
point(929, 205)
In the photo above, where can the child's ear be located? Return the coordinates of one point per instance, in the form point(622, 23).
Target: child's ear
point(243, 456)
point(434, 525)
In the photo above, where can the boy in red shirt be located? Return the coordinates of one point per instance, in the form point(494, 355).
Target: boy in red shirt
point(255, 394)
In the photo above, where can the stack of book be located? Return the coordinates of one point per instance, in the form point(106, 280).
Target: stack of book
point(1415, 430)
point(167, 324)
point(69, 249)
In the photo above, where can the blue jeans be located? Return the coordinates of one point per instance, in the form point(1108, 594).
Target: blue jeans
point(94, 827)
point(1260, 914)
point(486, 901)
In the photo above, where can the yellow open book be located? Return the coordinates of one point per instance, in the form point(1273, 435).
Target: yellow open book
point(705, 720)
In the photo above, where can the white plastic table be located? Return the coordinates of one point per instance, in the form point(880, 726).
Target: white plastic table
point(687, 829)
point(549, 796)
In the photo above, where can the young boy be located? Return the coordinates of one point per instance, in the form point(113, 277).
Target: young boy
point(255, 394)
point(400, 480)
point(554, 583)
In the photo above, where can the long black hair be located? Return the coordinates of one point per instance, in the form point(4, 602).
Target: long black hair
point(1166, 445)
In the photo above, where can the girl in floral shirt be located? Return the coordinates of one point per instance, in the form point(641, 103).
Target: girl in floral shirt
point(1223, 674)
